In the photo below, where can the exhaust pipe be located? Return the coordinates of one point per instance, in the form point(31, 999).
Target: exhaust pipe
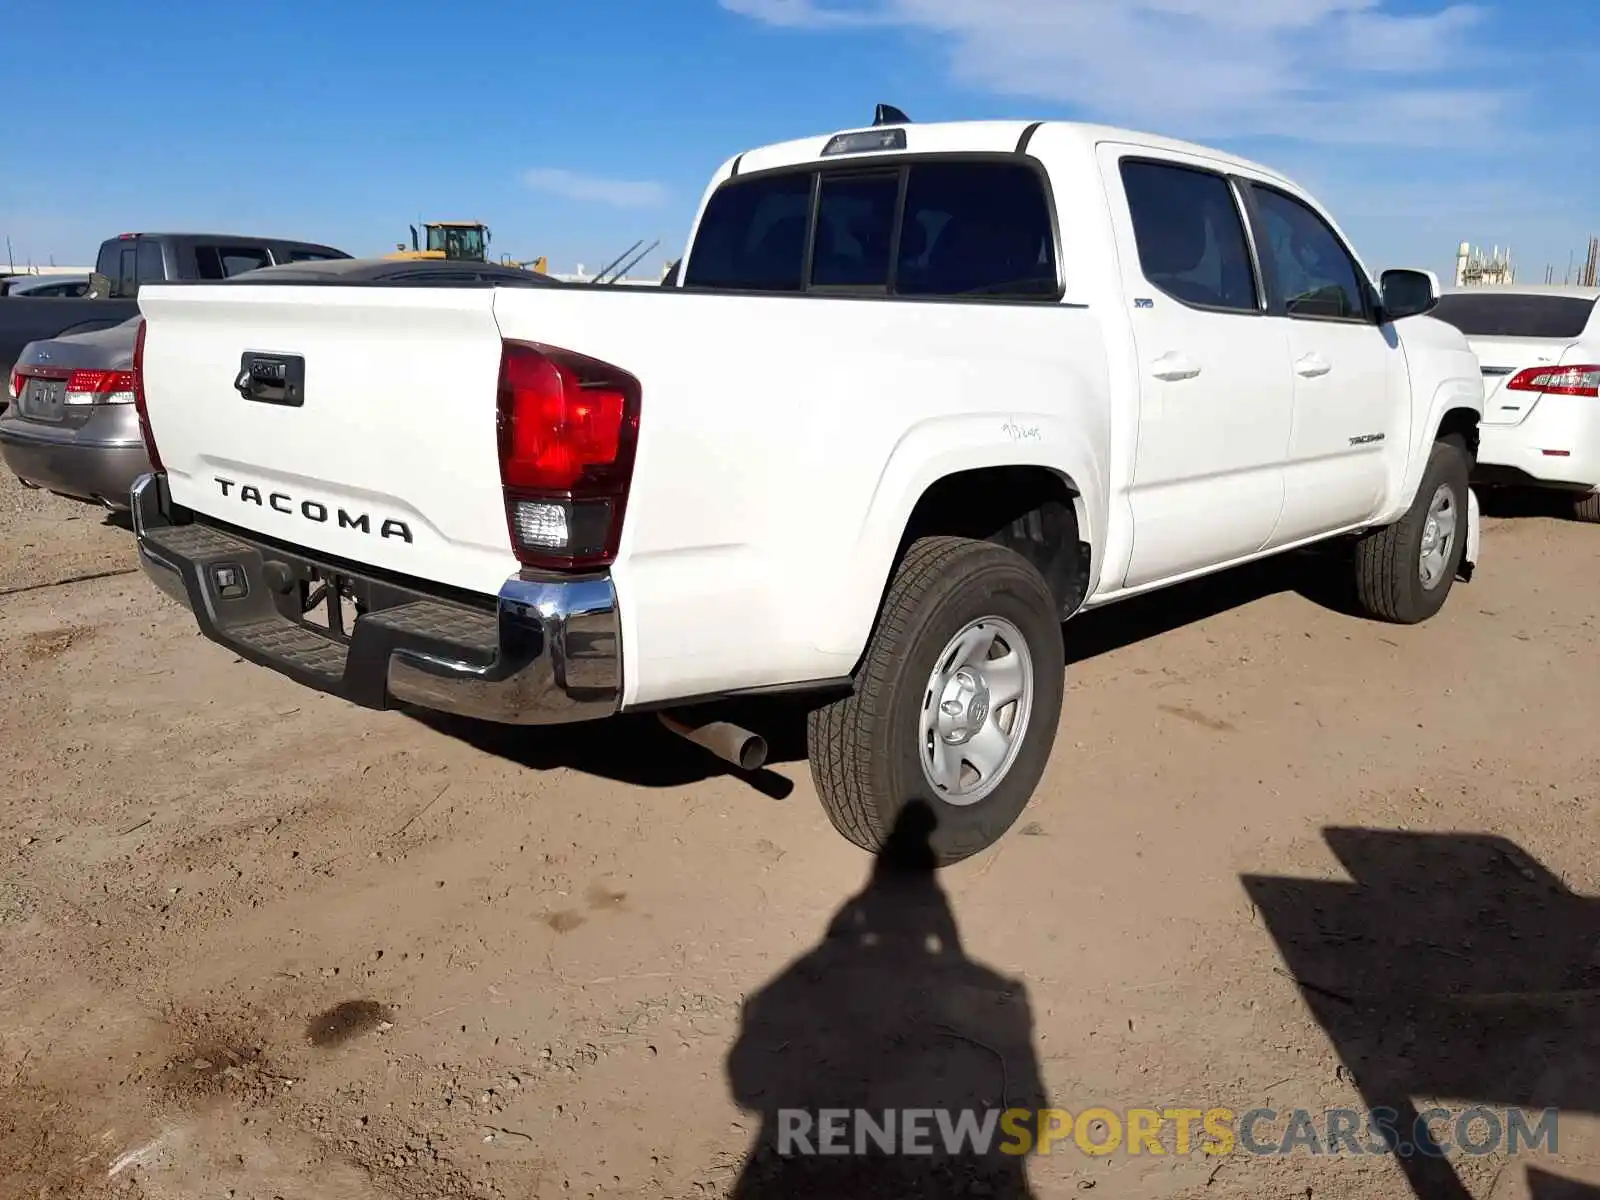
point(730, 743)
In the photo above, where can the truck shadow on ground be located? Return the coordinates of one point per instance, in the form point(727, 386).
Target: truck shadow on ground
point(887, 1012)
point(1455, 967)
point(636, 749)
point(1324, 577)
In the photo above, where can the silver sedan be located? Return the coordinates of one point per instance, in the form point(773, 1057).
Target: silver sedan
point(72, 427)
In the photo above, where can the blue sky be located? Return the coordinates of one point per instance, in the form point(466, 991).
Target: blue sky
point(575, 128)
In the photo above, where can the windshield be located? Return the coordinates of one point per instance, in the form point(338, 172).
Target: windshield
point(1510, 315)
point(457, 241)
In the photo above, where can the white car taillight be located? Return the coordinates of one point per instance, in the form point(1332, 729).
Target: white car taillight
point(1558, 381)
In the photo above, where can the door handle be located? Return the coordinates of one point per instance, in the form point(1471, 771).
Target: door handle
point(1312, 365)
point(1173, 367)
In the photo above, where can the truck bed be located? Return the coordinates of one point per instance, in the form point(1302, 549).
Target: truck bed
point(782, 441)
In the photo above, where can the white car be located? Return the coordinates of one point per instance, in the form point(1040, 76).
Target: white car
point(1540, 351)
point(918, 394)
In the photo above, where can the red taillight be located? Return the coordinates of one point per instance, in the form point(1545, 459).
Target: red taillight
point(1558, 381)
point(139, 401)
point(567, 427)
point(100, 383)
point(15, 385)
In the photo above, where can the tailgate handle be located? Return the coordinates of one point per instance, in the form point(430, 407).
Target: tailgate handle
point(272, 378)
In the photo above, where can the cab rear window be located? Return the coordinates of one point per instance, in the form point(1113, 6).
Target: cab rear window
point(934, 228)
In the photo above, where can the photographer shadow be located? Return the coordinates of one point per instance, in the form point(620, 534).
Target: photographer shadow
point(1453, 966)
point(886, 1013)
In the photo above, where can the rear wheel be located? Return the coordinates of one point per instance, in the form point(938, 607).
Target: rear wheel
point(1405, 570)
point(1587, 508)
point(955, 707)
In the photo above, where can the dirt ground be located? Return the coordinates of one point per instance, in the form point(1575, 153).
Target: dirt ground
point(257, 943)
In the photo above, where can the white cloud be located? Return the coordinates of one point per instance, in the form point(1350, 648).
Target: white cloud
point(617, 193)
point(805, 14)
point(1329, 71)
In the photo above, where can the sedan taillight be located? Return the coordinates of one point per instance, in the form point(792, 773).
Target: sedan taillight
point(1558, 381)
point(81, 388)
point(100, 387)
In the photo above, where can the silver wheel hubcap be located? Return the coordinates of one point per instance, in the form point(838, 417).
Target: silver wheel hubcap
point(1438, 537)
point(975, 710)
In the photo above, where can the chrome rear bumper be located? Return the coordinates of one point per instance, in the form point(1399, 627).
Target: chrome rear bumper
point(544, 651)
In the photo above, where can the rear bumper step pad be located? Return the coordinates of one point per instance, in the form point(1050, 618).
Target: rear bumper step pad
point(548, 651)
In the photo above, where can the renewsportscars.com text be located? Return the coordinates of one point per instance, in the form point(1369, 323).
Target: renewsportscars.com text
point(1437, 1132)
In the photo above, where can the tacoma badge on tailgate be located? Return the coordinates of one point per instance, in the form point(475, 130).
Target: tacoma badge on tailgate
point(313, 510)
point(272, 378)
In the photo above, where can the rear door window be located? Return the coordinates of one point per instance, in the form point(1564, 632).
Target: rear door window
point(976, 229)
point(224, 262)
point(1486, 314)
point(236, 260)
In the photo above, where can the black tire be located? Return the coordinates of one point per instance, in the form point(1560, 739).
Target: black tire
point(1389, 585)
point(1587, 508)
point(864, 749)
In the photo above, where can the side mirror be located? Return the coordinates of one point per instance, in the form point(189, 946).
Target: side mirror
point(1408, 293)
point(99, 287)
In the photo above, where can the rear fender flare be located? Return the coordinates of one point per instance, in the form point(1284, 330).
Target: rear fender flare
point(846, 606)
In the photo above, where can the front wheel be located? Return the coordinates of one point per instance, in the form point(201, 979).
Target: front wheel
point(1405, 570)
point(955, 707)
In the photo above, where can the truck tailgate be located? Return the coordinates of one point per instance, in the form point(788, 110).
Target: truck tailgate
point(389, 459)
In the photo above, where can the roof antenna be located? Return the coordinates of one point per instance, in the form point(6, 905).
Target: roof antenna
point(888, 114)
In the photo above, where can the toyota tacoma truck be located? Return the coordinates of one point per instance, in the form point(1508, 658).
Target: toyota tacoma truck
point(917, 394)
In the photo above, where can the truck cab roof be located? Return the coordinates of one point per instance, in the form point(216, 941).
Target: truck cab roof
point(968, 137)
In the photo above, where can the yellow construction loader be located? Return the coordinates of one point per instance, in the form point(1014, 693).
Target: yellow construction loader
point(458, 241)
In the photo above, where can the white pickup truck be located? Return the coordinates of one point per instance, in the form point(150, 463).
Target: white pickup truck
point(916, 394)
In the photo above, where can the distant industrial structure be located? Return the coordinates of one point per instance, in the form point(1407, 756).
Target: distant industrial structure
point(1474, 268)
point(1588, 275)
